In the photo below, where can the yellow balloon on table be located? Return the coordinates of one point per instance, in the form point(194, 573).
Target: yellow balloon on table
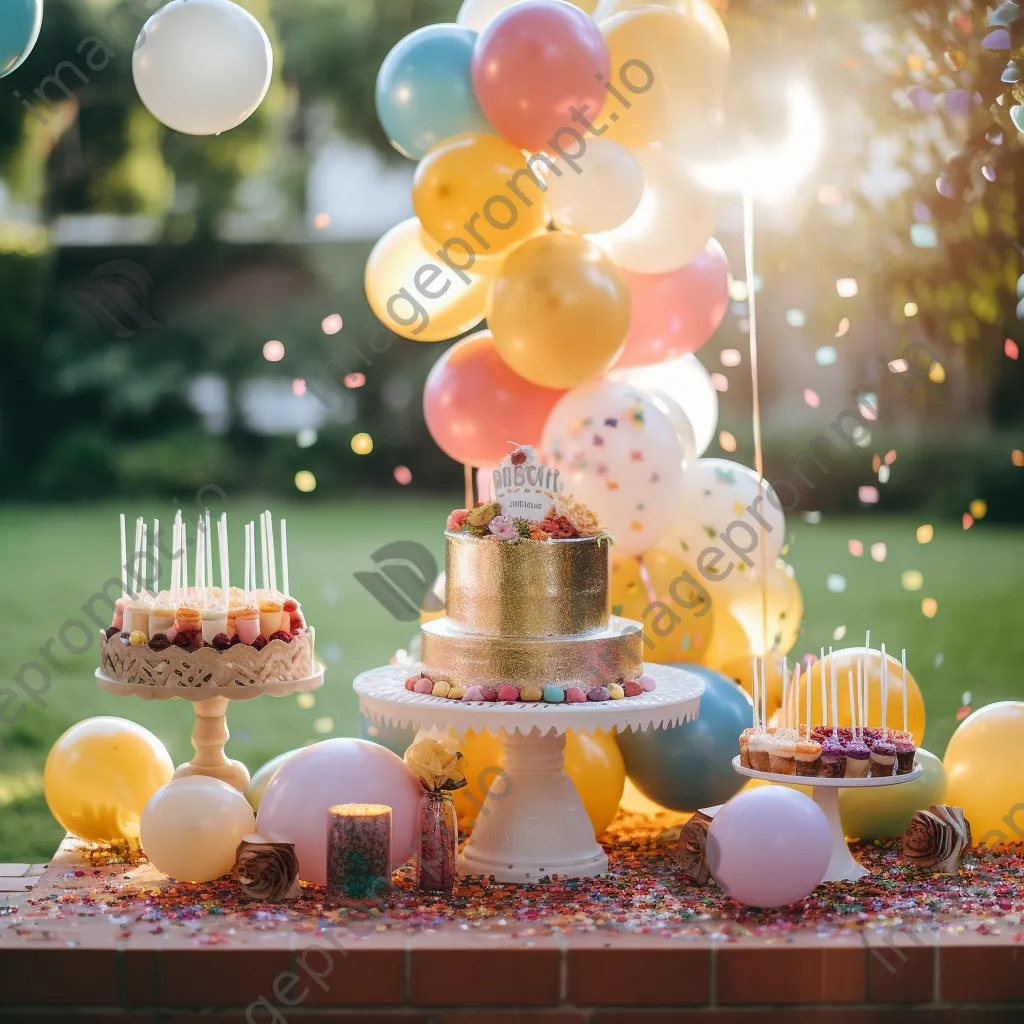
point(461, 191)
point(677, 616)
point(846, 661)
point(99, 776)
point(559, 311)
point(985, 767)
point(592, 760)
point(415, 294)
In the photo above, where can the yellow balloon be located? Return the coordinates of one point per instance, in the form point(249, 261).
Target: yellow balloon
point(592, 760)
point(462, 191)
point(741, 669)
point(985, 768)
point(846, 661)
point(671, 65)
point(99, 776)
point(635, 802)
point(559, 311)
point(677, 616)
point(416, 294)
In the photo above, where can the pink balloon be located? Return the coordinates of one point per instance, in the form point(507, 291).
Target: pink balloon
point(338, 771)
point(533, 63)
point(475, 405)
point(769, 847)
point(675, 313)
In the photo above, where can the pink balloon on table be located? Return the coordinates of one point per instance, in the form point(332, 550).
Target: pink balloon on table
point(769, 847)
point(677, 312)
point(338, 771)
point(531, 64)
point(475, 405)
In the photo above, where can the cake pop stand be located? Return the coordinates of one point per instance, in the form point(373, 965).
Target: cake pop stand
point(841, 866)
point(533, 824)
point(210, 733)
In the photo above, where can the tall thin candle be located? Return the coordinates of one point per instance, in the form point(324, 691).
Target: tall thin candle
point(903, 662)
point(284, 559)
point(252, 554)
point(248, 550)
point(124, 561)
point(859, 721)
point(835, 697)
point(266, 551)
point(184, 558)
point(273, 550)
point(796, 698)
point(884, 674)
point(785, 681)
point(824, 695)
point(222, 538)
point(156, 556)
point(137, 557)
point(764, 697)
point(754, 692)
point(853, 706)
point(144, 557)
point(807, 687)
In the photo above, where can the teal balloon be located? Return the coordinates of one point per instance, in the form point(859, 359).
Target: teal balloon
point(19, 29)
point(259, 782)
point(397, 739)
point(690, 766)
point(885, 811)
point(425, 90)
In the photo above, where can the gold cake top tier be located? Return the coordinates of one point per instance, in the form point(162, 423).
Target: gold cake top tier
point(528, 589)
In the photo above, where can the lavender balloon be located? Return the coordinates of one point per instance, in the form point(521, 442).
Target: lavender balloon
point(769, 847)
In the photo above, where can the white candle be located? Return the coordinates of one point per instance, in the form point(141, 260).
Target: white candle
point(225, 576)
point(124, 561)
point(248, 550)
point(284, 559)
point(764, 696)
point(884, 675)
point(156, 556)
point(824, 695)
point(903, 662)
point(184, 558)
point(807, 687)
point(266, 552)
point(754, 692)
point(853, 714)
point(785, 681)
point(835, 695)
point(796, 698)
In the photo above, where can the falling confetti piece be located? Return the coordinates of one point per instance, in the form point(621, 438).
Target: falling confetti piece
point(321, 221)
point(945, 188)
point(738, 290)
point(997, 39)
point(796, 318)
point(322, 725)
point(403, 474)
point(812, 517)
point(1010, 349)
point(956, 60)
point(989, 173)
point(273, 351)
point(855, 547)
point(890, 456)
point(962, 713)
point(978, 508)
point(899, 366)
point(305, 700)
point(1017, 457)
point(968, 520)
point(883, 474)
point(937, 373)
point(305, 481)
point(298, 386)
point(332, 324)
point(838, 633)
point(846, 287)
point(835, 583)
point(727, 441)
point(925, 533)
point(811, 398)
point(929, 606)
point(306, 437)
point(362, 444)
point(826, 355)
point(730, 357)
point(912, 580)
point(867, 403)
point(720, 382)
point(966, 698)
point(878, 551)
point(868, 494)
point(910, 309)
point(937, 661)
point(876, 462)
point(844, 326)
point(355, 380)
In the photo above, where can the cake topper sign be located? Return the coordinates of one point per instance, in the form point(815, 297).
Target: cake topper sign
point(524, 487)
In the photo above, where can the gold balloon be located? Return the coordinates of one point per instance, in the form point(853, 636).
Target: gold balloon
point(741, 669)
point(467, 188)
point(559, 311)
point(592, 760)
point(416, 294)
point(846, 661)
point(985, 768)
point(677, 615)
point(99, 776)
point(670, 66)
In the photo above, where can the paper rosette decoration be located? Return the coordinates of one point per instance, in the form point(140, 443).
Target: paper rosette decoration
point(691, 853)
point(937, 838)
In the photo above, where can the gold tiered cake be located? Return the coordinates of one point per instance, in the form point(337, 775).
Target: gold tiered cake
point(527, 601)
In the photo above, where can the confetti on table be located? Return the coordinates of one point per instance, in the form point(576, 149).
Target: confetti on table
point(838, 633)
point(298, 386)
point(929, 606)
point(844, 326)
point(730, 357)
point(899, 366)
point(273, 351)
point(956, 60)
point(967, 520)
point(868, 494)
point(826, 355)
point(727, 441)
point(811, 398)
point(925, 533)
point(1010, 348)
point(835, 584)
point(855, 547)
point(305, 700)
point(796, 318)
point(912, 580)
point(720, 382)
point(978, 508)
point(1017, 457)
point(332, 324)
point(937, 373)
point(846, 287)
point(910, 309)
point(403, 474)
point(879, 551)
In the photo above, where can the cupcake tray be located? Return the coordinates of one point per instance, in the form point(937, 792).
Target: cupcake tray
point(841, 866)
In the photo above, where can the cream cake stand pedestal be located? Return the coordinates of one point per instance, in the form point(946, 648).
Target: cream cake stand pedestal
point(841, 866)
point(210, 733)
point(533, 823)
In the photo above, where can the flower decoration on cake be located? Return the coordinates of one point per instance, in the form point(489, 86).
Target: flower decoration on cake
point(937, 838)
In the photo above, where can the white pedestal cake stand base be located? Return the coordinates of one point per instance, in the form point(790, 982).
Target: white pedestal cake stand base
point(841, 866)
point(533, 823)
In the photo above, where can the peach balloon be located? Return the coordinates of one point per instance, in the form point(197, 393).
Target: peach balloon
point(474, 404)
point(559, 311)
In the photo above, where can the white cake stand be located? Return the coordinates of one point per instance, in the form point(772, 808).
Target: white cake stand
point(533, 823)
point(841, 866)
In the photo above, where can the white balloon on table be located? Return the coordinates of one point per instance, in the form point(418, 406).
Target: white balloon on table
point(620, 454)
point(202, 67)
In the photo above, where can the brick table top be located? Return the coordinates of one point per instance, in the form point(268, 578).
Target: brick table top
point(85, 940)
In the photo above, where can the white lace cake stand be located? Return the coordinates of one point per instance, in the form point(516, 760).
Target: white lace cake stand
point(533, 824)
point(210, 733)
point(841, 866)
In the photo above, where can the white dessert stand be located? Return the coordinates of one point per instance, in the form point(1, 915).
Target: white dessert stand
point(841, 866)
point(210, 733)
point(533, 823)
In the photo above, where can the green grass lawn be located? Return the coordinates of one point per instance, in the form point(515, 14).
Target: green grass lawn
point(53, 559)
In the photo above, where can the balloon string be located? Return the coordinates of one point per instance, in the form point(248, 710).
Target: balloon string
point(468, 477)
point(748, 260)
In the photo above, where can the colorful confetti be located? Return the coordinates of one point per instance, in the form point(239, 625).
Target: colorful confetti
point(1017, 457)
point(929, 607)
point(844, 326)
point(298, 386)
point(796, 318)
point(273, 351)
point(890, 456)
point(883, 474)
point(323, 725)
point(868, 494)
point(305, 700)
point(879, 551)
point(925, 533)
point(912, 580)
point(826, 355)
point(835, 584)
point(838, 633)
point(727, 441)
point(899, 366)
point(403, 474)
point(720, 382)
point(362, 444)
point(305, 481)
point(1010, 349)
point(738, 290)
point(306, 437)
point(967, 521)
point(730, 357)
point(811, 398)
point(332, 324)
point(354, 380)
point(846, 287)
point(855, 547)
point(321, 221)
point(910, 309)
point(978, 508)
point(936, 373)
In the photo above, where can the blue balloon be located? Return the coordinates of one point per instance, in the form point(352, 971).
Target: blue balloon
point(690, 766)
point(397, 739)
point(19, 30)
point(425, 90)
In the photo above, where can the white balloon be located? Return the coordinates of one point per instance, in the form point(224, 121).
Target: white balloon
point(673, 222)
point(727, 517)
point(202, 66)
point(685, 383)
point(599, 192)
point(619, 454)
point(478, 14)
